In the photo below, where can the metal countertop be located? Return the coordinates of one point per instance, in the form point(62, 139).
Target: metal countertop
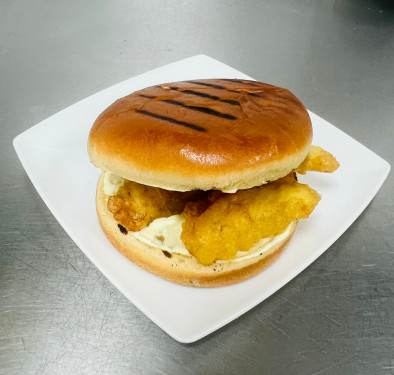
point(60, 315)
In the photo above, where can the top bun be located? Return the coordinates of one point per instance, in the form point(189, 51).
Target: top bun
point(224, 134)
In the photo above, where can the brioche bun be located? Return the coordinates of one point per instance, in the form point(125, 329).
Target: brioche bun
point(221, 134)
point(178, 268)
point(218, 134)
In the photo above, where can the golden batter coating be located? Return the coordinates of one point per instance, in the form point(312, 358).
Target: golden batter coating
point(318, 160)
point(235, 222)
point(135, 206)
point(218, 225)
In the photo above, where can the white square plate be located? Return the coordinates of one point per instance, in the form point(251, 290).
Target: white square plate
point(54, 156)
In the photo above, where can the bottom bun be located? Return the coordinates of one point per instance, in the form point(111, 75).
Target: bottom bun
point(178, 268)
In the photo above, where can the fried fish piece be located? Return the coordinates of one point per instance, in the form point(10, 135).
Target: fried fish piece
point(235, 222)
point(318, 160)
point(135, 206)
point(218, 225)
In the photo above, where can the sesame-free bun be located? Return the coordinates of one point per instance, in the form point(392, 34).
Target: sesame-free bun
point(179, 268)
point(222, 134)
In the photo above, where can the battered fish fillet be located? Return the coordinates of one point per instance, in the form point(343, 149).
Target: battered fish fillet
point(318, 160)
point(135, 206)
point(235, 222)
point(217, 224)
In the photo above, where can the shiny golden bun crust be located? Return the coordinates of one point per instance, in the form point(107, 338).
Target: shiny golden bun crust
point(205, 134)
point(178, 268)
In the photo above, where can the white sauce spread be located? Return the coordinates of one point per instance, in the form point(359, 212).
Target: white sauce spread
point(112, 183)
point(165, 232)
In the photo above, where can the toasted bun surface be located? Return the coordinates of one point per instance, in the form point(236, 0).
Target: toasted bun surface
point(179, 268)
point(206, 134)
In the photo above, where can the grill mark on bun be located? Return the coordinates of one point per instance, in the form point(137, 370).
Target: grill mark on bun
point(243, 82)
point(214, 86)
point(208, 85)
point(230, 101)
point(147, 96)
point(208, 111)
point(198, 93)
point(208, 96)
point(219, 87)
point(172, 120)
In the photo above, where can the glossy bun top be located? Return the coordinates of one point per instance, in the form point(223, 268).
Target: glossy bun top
point(224, 134)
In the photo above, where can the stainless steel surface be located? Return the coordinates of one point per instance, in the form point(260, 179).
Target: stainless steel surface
point(59, 315)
